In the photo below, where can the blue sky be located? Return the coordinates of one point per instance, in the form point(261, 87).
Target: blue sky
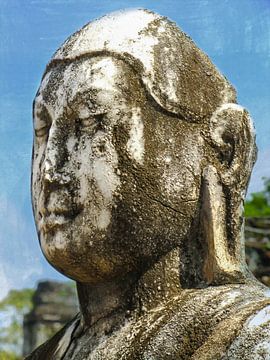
point(235, 34)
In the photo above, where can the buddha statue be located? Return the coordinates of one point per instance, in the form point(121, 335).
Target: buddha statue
point(141, 162)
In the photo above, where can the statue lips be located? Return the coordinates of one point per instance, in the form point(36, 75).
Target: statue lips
point(58, 211)
point(57, 218)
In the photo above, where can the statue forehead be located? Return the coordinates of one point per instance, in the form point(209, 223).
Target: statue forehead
point(94, 79)
point(178, 75)
point(99, 73)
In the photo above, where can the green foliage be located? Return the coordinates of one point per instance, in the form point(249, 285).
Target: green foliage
point(259, 204)
point(20, 300)
point(13, 308)
point(15, 305)
point(7, 355)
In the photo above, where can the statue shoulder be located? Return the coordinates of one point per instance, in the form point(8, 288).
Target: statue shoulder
point(224, 322)
point(227, 322)
point(253, 341)
point(211, 324)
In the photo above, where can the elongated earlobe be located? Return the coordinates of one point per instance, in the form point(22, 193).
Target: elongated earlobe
point(221, 265)
point(223, 190)
point(217, 233)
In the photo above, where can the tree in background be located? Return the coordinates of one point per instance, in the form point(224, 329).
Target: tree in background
point(12, 308)
point(49, 298)
point(259, 203)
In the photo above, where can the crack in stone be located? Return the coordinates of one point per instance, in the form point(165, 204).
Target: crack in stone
point(165, 205)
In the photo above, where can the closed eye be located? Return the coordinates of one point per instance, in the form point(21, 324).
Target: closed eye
point(42, 121)
point(89, 122)
point(92, 122)
point(42, 131)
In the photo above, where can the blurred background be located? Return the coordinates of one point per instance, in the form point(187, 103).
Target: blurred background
point(236, 36)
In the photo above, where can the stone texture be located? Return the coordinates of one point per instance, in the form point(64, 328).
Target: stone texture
point(190, 87)
point(36, 332)
point(141, 162)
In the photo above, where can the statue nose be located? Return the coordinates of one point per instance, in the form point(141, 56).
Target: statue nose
point(54, 174)
point(55, 167)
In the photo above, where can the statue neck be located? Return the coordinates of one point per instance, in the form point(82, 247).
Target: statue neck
point(130, 296)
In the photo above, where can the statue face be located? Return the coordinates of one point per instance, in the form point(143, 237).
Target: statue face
point(115, 182)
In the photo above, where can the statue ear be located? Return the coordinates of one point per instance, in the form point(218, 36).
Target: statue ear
point(223, 189)
point(232, 135)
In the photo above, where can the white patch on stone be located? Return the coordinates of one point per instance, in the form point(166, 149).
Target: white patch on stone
point(60, 240)
point(51, 171)
point(107, 33)
point(235, 107)
point(256, 326)
point(228, 94)
point(100, 78)
point(71, 141)
point(262, 317)
point(231, 106)
point(229, 298)
point(170, 86)
point(84, 112)
point(262, 348)
point(104, 219)
point(105, 177)
point(220, 122)
point(101, 169)
point(161, 29)
point(135, 144)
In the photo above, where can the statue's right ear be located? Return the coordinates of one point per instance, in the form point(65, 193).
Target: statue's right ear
point(233, 137)
point(223, 189)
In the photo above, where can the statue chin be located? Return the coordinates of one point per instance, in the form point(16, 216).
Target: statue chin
point(141, 158)
point(81, 262)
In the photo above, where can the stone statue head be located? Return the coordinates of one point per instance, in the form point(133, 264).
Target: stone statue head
point(139, 149)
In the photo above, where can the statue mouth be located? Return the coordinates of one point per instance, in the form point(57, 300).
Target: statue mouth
point(52, 218)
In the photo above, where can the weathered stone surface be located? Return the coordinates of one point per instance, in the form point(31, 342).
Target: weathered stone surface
point(140, 166)
point(36, 332)
point(190, 87)
point(54, 304)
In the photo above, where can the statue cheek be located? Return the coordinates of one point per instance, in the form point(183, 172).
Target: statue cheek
point(181, 171)
point(97, 180)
